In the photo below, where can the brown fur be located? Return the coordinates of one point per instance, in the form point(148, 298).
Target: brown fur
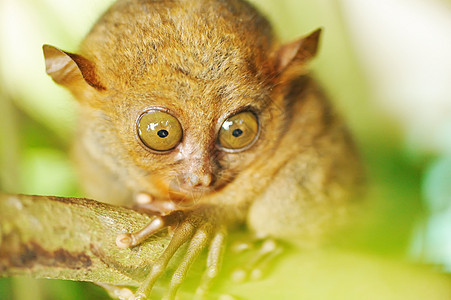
point(204, 60)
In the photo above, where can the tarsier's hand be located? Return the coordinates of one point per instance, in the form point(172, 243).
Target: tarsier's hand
point(193, 226)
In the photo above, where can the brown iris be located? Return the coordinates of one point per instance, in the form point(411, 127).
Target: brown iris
point(159, 130)
point(238, 131)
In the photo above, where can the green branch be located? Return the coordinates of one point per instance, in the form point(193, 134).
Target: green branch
point(73, 239)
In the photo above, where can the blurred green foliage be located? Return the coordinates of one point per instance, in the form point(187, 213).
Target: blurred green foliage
point(37, 120)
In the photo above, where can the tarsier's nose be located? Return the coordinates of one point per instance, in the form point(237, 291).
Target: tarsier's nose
point(196, 180)
point(199, 172)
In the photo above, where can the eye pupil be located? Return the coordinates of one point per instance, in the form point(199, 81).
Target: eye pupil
point(162, 133)
point(237, 132)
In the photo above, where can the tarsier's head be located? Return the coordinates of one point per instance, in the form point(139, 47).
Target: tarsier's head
point(180, 97)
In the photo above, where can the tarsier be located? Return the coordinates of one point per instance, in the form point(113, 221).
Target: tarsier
point(194, 108)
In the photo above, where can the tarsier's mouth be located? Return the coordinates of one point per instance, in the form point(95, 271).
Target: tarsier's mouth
point(181, 195)
point(180, 190)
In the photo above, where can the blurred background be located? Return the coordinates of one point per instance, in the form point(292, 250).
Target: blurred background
point(386, 64)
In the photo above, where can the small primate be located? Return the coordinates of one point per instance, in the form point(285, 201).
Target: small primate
point(193, 110)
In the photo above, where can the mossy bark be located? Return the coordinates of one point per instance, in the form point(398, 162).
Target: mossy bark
point(73, 239)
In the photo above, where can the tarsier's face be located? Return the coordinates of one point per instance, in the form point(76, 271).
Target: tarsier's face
point(187, 148)
point(203, 166)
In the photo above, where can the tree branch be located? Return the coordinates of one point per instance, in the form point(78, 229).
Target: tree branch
point(73, 239)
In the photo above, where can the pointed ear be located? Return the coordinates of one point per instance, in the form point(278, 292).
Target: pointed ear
point(72, 71)
point(291, 58)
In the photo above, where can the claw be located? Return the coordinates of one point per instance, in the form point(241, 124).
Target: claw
point(146, 202)
point(143, 198)
point(127, 240)
point(255, 268)
point(183, 233)
point(198, 242)
point(214, 262)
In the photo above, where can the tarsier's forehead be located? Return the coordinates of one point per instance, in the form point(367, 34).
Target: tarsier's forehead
point(207, 101)
point(194, 38)
point(204, 13)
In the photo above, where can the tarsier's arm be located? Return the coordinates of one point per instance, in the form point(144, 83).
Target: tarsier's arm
point(200, 107)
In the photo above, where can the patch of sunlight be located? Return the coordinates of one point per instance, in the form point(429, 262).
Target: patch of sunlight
point(47, 172)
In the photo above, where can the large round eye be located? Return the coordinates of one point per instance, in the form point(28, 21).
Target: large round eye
point(238, 131)
point(159, 130)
